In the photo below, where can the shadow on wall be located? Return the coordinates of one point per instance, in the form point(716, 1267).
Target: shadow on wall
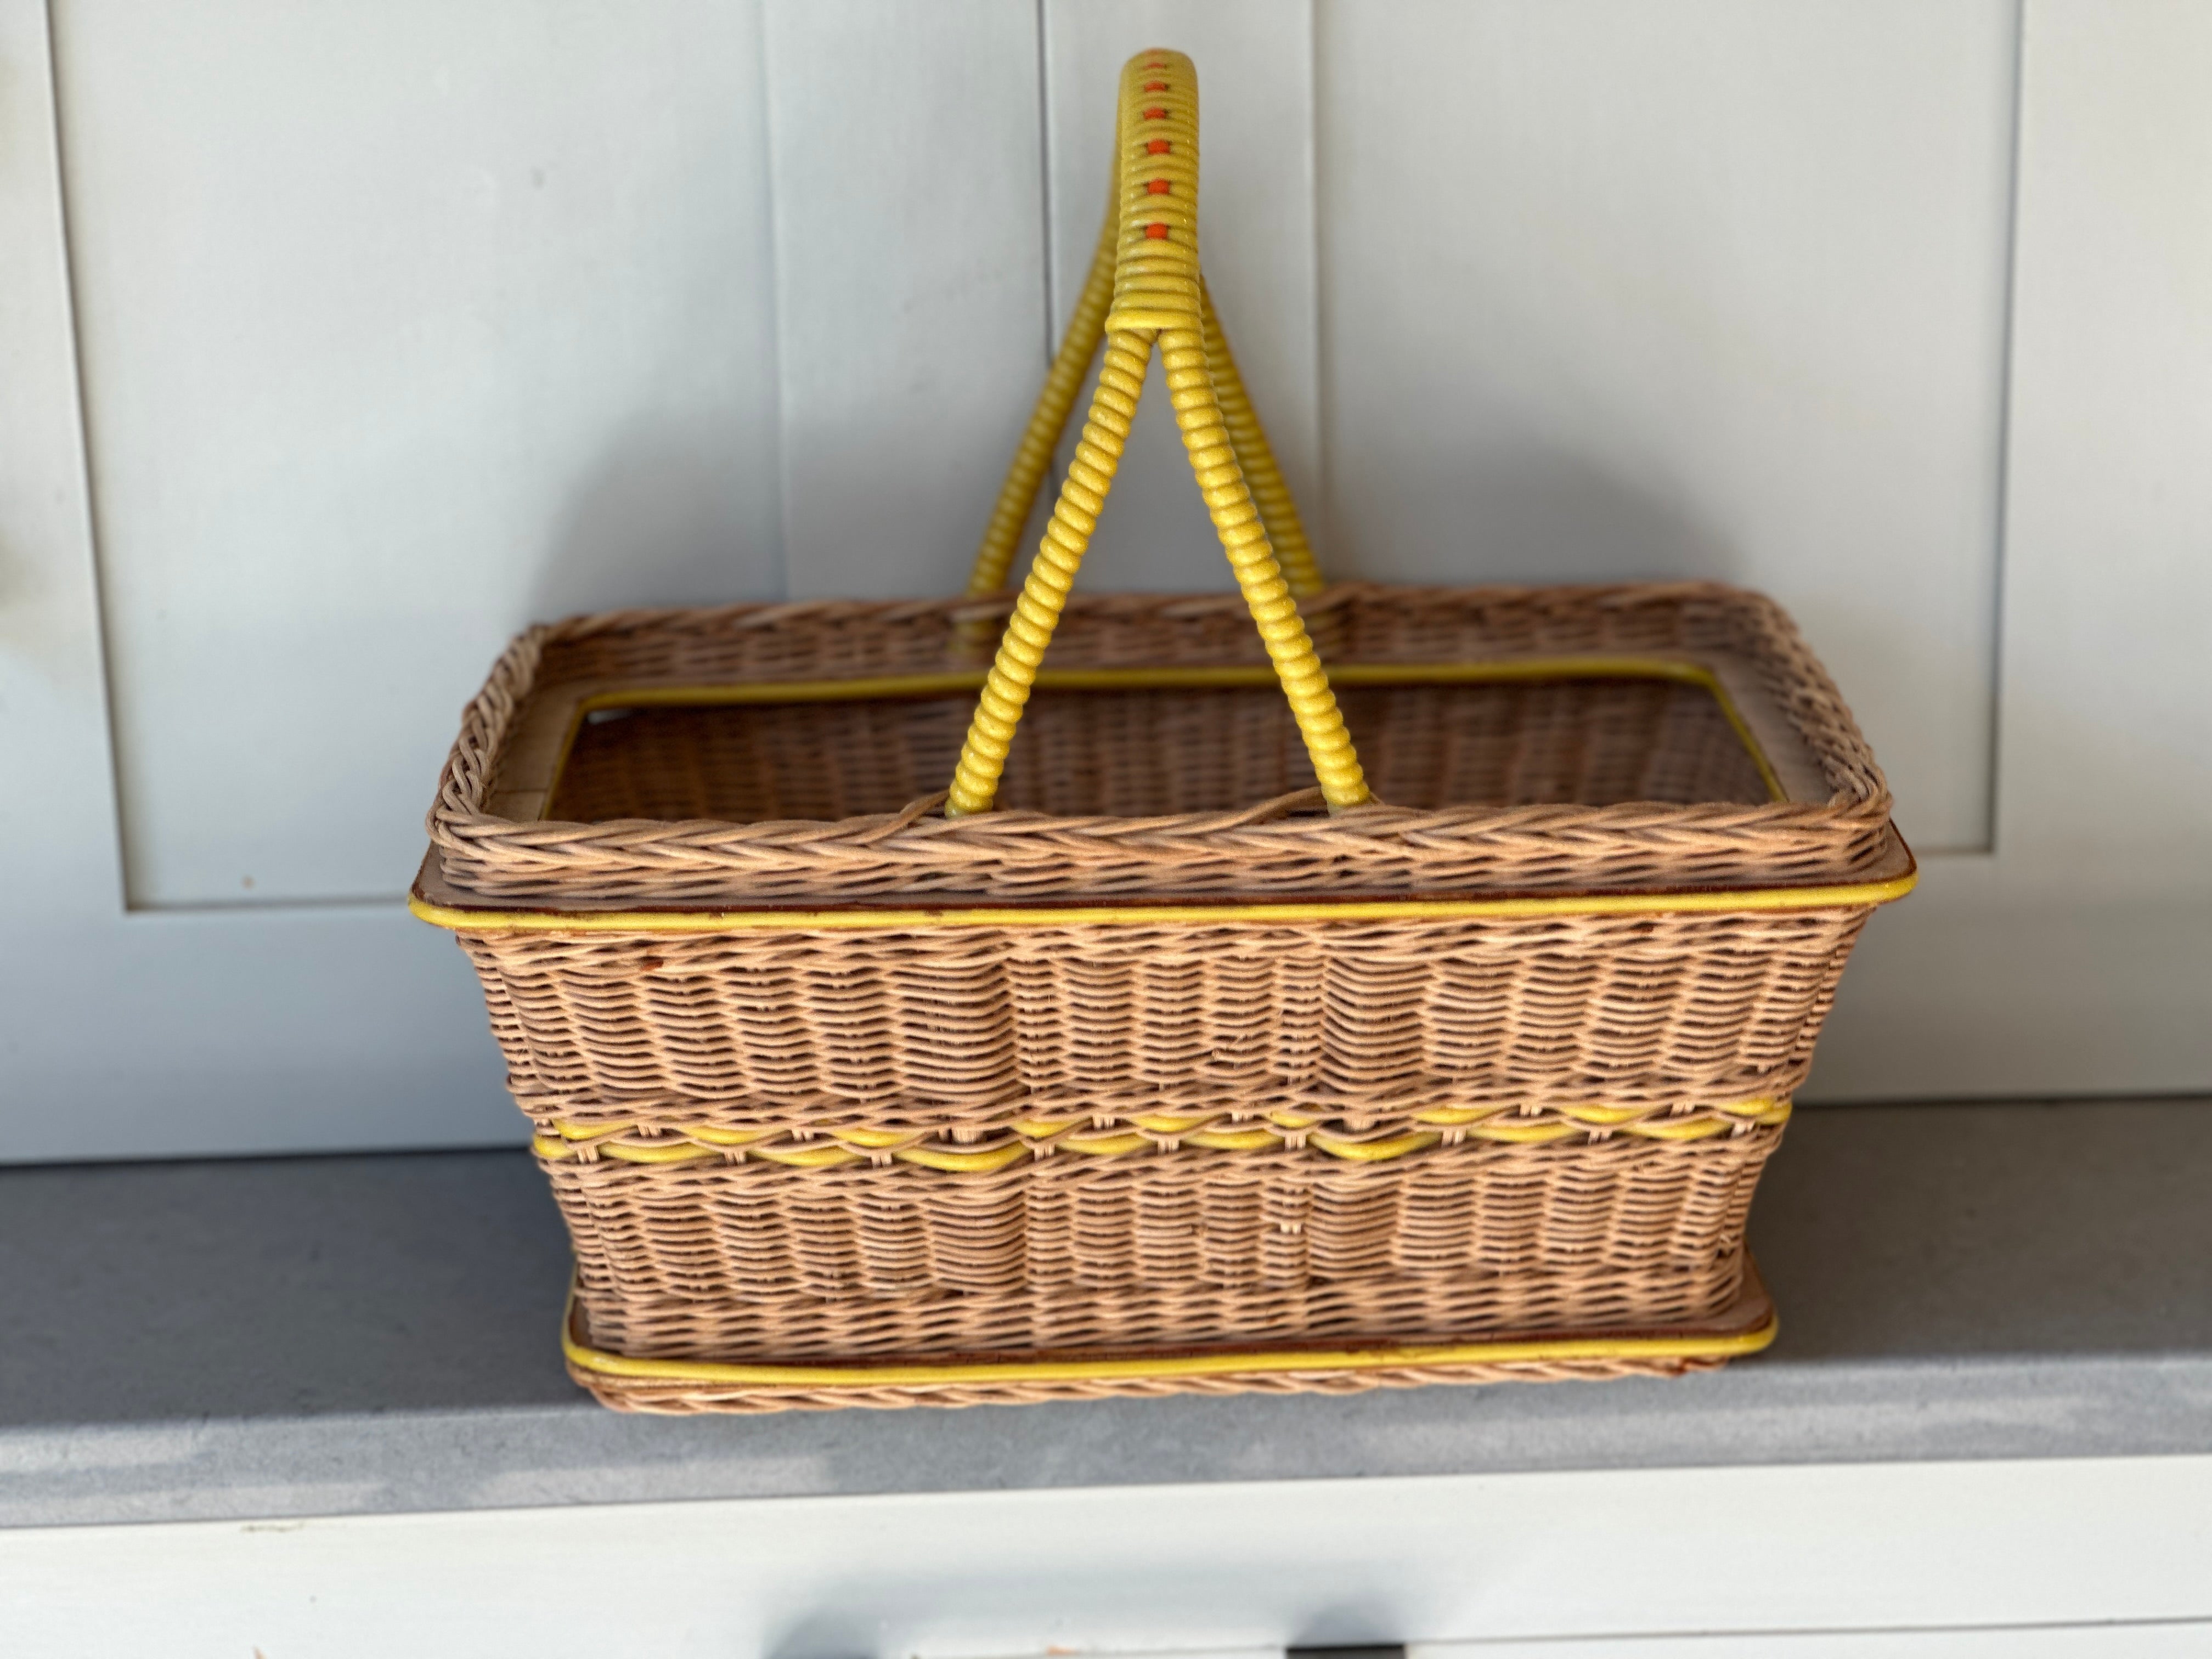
point(664, 518)
point(22, 630)
point(1535, 516)
point(1456, 520)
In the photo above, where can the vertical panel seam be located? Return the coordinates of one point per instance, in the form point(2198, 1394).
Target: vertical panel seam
point(1321, 518)
point(88, 470)
point(1044, 178)
point(2002, 525)
point(778, 472)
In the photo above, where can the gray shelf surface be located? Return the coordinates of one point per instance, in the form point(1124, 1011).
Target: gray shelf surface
point(331, 1336)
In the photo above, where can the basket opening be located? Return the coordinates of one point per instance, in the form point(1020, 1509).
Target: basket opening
point(1142, 751)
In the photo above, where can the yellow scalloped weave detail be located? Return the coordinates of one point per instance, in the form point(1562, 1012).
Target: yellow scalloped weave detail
point(1144, 1132)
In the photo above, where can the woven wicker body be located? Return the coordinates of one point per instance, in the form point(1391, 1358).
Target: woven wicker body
point(885, 1090)
point(1423, 1016)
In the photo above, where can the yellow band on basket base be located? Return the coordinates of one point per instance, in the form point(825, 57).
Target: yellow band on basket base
point(1528, 1351)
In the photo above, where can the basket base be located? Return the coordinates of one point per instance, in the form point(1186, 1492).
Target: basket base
point(683, 1387)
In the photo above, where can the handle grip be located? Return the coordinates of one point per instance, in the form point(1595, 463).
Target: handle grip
point(1158, 299)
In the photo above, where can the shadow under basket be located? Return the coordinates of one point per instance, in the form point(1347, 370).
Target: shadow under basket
point(1159, 1078)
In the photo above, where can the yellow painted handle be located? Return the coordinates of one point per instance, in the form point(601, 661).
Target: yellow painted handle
point(1278, 513)
point(1158, 300)
point(1087, 331)
point(1049, 419)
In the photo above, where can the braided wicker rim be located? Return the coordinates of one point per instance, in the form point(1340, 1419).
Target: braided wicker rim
point(1283, 847)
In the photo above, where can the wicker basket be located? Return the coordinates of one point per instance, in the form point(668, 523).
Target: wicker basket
point(1195, 1066)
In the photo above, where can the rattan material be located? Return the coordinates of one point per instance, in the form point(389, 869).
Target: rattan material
point(1161, 1077)
point(968, 1028)
point(1172, 1250)
point(1745, 1326)
point(1259, 850)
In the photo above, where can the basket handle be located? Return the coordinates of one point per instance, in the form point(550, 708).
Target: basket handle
point(1079, 347)
point(1157, 296)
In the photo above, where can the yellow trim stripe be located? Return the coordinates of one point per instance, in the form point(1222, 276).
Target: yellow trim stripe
point(1528, 1351)
point(847, 1146)
point(1576, 905)
point(1223, 677)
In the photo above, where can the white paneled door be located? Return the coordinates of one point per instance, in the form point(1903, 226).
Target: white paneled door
point(1713, 289)
point(337, 343)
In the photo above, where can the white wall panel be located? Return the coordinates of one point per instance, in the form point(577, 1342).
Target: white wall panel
point(1254, 60)
point(1708, 288)
point(149, 1035)
point(2105, 767)
point(910, 242)
point(2078, 957)
point(402, 324)
point(57, 853)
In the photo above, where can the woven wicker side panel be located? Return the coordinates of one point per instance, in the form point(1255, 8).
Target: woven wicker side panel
point(751, 1261)
point(958, 1025)
point(1137, 753)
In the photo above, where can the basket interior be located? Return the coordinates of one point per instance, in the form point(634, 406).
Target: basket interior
point(1141, 752)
